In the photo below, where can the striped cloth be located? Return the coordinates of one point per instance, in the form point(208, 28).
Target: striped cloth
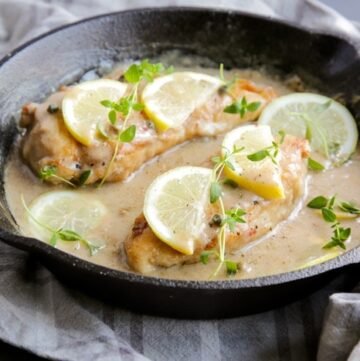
point(40, 314)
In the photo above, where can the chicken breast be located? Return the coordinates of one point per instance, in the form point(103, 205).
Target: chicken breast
point(145, 252)
point(47, 141)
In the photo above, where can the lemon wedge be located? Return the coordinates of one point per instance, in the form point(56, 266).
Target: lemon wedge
point(65, 210)
point(328, 125)
point(262, 177)
point(174, 206)
point(169, 100)
point(82, 110)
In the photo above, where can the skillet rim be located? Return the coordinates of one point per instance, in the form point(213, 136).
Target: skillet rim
point(37, 247)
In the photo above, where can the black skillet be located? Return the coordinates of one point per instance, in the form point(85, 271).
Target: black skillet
point(326, 62)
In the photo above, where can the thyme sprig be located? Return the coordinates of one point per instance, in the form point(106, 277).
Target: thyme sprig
point(134, 75)
point(227, 219)
point(219, 164)
point(242, 107)
point(327, 207)
point(49, 171)
point(349, 207)
point(67, 235)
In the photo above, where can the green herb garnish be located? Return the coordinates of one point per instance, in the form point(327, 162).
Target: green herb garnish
point(242, 107)
point(219, 163)
point(229, 182)
point(205, 255)
point(233, 216)
point(227, 84)
point(227, 220)
point(272, 151)
point(327, 205)
point(128, 134)
point(84, 176)
point(49, 171)
point(349, 207)
point(318, 202)
point(340, 235)
point(314, 165)
point(231, 267)
point(145, 71)
point(215, 192)
point(328, 214)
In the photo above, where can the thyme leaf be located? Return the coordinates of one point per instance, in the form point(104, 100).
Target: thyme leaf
point(328, 214)
point(112, 117)
point(314, 165)
point(258, 156)
point(215, 192)
point(318, 202)
point(349, 207)
point(84, 176)
point(205, 255)
point(128, 134)
point(242, 107)
point(229, 182)
point(233, 216)
point(231, 267)
point(145, 71)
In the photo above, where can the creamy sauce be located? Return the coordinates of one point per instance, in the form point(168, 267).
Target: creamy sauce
point(291, 244)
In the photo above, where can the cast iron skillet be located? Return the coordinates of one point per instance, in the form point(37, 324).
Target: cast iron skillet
point(329, 63)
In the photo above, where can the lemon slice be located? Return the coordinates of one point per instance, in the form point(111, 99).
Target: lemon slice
point(174, 206)
point(169, 100)
point(82, 110)
point(65, 210)
point(328, 125)
point(262, 177)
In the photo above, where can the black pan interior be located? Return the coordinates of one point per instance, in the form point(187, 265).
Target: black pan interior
point(325, 62)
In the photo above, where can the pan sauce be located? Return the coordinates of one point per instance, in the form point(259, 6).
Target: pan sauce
point(290, 245)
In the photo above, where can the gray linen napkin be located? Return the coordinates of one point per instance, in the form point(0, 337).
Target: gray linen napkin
point(45, 317)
